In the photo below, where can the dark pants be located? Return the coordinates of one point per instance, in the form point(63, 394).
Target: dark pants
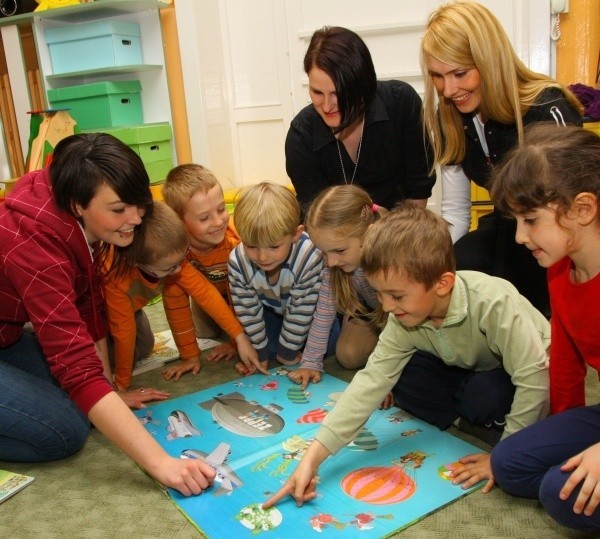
point(439, 394)
point(492, 249)
point(528, 462)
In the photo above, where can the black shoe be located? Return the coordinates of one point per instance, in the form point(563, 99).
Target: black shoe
point(489, 435)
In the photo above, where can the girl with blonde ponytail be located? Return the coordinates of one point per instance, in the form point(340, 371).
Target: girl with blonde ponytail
point(337, 221)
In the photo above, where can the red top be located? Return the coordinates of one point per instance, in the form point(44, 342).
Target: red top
point(48, 278)
point(575, 339)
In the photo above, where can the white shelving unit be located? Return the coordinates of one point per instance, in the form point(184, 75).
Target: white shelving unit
point(151, 73)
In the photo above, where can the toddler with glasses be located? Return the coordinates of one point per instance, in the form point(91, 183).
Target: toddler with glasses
point(158, 263)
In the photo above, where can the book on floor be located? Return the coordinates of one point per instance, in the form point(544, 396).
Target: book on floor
point(254, 430)
point(11, 483)
point(165, 351)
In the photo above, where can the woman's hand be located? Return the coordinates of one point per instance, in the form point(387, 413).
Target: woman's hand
point(135, 398)
point(304, 376)
point(192, 365)
point(585, 467)
point(476, 468)
point(188, 476)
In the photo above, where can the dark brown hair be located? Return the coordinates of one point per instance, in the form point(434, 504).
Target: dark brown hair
point(552, 166)
point(344, 56)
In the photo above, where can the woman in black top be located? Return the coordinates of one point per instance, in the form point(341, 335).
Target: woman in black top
point(357, 130)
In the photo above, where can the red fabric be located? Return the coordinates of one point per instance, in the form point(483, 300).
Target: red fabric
point(47, 277)
point(575, 338)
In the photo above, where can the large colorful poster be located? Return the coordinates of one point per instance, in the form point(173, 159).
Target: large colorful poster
point(254, 430)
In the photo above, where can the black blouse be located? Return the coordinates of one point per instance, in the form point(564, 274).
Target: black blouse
point(394, 160)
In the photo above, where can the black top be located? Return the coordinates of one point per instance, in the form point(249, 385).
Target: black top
point(551, 106)
point(394, 160)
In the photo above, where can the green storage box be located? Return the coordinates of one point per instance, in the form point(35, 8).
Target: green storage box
point(158, 170)
point(101, 104)
point(152, 142)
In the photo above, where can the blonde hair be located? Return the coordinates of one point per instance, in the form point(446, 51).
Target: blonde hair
point(468, 35)
point(265, 213)
point(346, 211)
point(183, 182)
point(162, 234)
point(412, 241)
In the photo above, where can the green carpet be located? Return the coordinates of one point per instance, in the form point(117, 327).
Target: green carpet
point(101, 493)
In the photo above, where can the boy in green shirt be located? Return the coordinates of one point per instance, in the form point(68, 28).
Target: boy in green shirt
point(457, 346)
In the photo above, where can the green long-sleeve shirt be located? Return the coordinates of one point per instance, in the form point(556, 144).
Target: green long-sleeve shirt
point(488, 325)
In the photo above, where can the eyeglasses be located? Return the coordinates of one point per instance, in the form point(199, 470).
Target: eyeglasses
point(164, 272)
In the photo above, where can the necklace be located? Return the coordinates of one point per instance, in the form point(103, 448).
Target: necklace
point(337, 141)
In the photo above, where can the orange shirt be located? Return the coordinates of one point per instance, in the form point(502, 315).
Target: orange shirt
point(127, 294)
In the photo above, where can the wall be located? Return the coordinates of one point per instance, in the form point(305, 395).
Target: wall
point(242, 67)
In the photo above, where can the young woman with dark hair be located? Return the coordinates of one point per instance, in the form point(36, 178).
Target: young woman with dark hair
point(357, 130)
point(55, 381)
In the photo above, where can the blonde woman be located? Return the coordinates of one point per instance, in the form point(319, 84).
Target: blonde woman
point(478, 96)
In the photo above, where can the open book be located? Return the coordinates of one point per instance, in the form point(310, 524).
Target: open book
point(11, 483)
point(165, 351)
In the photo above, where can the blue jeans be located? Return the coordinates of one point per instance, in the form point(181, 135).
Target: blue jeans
point(527, 463)
point(38, 421)
point(274, 323)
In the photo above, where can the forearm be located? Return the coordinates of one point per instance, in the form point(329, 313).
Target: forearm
point(456, 200)
point(115, 420)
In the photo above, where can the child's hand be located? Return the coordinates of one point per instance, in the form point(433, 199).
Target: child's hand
point(586, 468)
point(387, 402)
point(137, 397)
point(224, 351)
point(303, 376)
point(246, 370)
point(186, 365)
point(249, 356)
point(476, 468)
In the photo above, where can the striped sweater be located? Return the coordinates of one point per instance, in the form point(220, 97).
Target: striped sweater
point(294, 296)
point(325, 313)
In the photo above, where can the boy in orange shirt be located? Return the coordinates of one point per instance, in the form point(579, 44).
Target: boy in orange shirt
point(159, 265)
point(197, 197)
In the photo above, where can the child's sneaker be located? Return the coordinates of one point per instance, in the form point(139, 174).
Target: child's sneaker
point(490, 435)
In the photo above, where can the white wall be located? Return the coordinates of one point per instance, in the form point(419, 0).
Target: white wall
point(243, 76)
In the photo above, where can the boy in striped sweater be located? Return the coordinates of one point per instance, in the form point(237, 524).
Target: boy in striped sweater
point(274, 274)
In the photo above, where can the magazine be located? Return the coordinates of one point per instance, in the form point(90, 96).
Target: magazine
point(165, 351)
point(11, 483)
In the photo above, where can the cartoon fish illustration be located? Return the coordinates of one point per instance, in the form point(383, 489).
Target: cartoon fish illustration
point(180, 426)
point(322, 520)
point(227, 478)
point(246, 418)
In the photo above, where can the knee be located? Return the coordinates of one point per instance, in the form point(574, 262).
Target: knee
point(65, 441)
point(562, 510)
point(353, 355)
point(509, 471)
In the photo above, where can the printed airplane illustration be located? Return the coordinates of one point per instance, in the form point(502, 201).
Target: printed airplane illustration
point(216, 459)
point(180, 426)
